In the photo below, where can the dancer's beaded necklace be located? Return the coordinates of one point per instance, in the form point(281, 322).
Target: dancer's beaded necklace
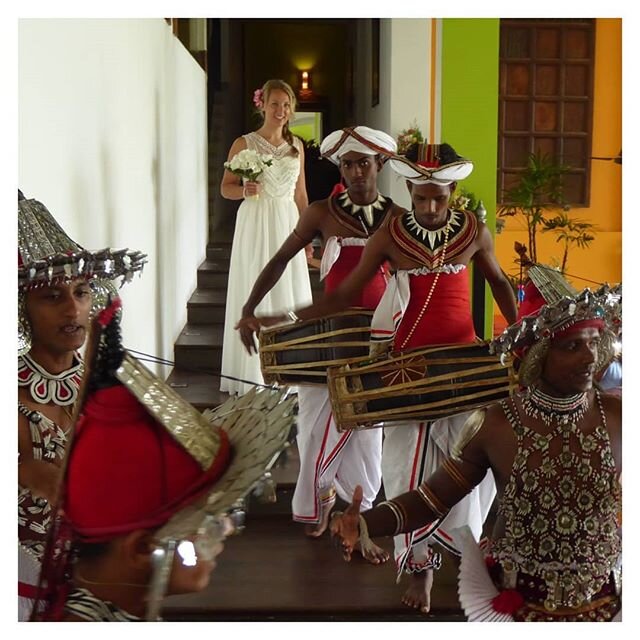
point(537, 404)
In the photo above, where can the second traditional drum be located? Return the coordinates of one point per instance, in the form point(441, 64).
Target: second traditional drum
point(418, 384)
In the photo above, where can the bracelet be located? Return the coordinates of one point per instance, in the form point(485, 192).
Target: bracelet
point(293, 316)
point(398, 514)
point(431, 500)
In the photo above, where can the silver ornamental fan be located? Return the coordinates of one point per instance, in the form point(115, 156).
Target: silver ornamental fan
point(257, 425)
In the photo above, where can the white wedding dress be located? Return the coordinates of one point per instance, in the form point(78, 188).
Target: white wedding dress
point(262, 225)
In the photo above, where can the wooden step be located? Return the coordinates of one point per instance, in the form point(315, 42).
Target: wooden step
point(219, 251)
point(207, 306)
point(213, 274)
point(202, 390)
point(199, 347)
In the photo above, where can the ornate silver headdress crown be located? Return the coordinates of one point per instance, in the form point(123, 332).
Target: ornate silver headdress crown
point(603, 304)
point(46, 254)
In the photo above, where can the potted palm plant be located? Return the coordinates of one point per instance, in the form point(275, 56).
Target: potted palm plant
point(538, 190)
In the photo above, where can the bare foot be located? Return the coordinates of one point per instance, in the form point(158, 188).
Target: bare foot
point(374, 555)
point(316, 530)
point(418, 595)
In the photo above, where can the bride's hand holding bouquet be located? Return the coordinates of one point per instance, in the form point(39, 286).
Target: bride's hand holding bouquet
point(249, 165)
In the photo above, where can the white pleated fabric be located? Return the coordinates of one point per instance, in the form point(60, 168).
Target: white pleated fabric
point(332, 250)
point(476, 590)
point(332, 459)
point(262, 225)
point(412, 451)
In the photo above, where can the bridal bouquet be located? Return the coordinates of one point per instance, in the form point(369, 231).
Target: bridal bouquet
point(248, 164)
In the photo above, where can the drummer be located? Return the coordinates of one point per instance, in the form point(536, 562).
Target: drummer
point(426, 302)
point(332, 461)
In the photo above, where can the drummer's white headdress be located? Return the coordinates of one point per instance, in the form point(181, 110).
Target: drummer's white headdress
point(360, 139)
point(432, 163)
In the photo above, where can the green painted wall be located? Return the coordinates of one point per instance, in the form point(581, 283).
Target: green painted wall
point(470, 71)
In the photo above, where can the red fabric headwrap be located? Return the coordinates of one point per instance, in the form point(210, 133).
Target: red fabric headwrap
point(127, 472)
point(597, 323)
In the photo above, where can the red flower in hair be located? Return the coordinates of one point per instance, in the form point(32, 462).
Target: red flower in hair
point(106, 315)
point(507, 601)
point(258, 98)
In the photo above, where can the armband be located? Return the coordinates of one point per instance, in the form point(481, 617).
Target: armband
point(469, 430)
point(454, 473)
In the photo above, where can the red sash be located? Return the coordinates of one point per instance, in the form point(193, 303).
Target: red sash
point(343, 266)
point(447, 319)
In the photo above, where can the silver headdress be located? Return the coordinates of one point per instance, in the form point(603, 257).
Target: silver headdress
point(47, 255)
point(531, 335)
point(603, 304)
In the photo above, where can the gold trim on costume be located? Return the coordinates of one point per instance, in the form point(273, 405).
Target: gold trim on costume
point(472, 425)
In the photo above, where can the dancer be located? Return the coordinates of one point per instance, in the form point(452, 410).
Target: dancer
point(331, 461)
point(115, 552)
point(555, 451)
point(59, 285)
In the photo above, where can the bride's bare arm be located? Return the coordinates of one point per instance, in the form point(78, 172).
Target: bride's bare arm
point(231, 186)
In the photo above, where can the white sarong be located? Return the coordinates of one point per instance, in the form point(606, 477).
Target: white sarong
point(329, 459)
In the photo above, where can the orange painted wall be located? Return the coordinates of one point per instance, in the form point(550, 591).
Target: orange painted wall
point(602, 261)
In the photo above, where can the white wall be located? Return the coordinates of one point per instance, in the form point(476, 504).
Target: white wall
point(405, 55)
point(113, 140)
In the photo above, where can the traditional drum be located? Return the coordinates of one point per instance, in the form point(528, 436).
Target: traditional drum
point(300, 353)
point(418, 384)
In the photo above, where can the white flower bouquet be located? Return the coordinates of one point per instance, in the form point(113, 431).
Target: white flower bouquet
point(249, 164)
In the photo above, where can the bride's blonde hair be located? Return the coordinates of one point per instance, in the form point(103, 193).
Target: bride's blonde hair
point(277, 84)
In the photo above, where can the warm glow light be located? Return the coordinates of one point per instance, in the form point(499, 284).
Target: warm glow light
point(305, 81)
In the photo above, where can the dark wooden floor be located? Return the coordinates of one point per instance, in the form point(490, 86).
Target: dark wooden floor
point(273, 572)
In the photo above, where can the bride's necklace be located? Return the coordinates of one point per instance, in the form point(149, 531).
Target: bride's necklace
point(367, 209)
point(537, 404)
point(44, 387)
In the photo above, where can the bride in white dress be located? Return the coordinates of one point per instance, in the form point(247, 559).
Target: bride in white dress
point(266, 217)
